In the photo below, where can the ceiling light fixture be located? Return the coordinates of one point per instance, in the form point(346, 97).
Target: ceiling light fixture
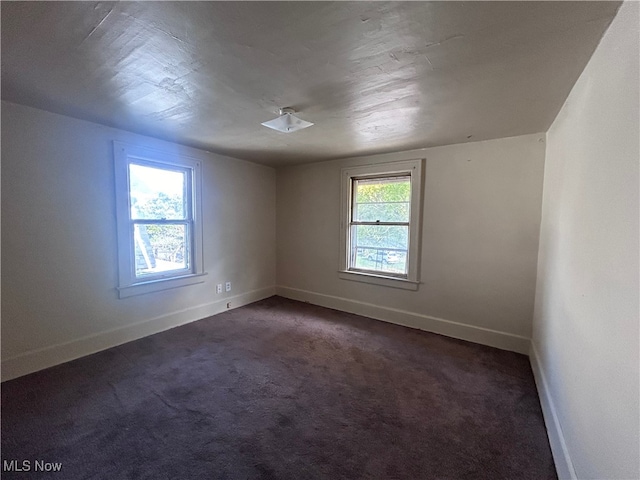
point(287, 122)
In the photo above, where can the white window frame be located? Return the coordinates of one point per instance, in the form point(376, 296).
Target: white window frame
point(413, 168)
point(129, 285)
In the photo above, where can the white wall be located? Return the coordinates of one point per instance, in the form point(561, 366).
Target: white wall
point(586, 314)
point(59, 257)
point(479, 241)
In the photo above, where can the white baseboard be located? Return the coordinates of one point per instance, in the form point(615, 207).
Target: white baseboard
point(561, 457)
point(42, 358)
point(484, 336)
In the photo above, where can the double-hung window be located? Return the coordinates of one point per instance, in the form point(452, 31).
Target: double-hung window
point(381, 223)
point(159, 221)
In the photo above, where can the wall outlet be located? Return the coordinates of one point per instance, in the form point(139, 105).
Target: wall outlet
point(228, 304)
point(228, 286)
point(219, 288)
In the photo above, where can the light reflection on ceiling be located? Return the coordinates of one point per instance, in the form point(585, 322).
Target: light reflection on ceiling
point(374, 77)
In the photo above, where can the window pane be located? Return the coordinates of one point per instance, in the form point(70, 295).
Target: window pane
point(382, 199)
point(157, 193)
point(160, 248)
point(379, 248)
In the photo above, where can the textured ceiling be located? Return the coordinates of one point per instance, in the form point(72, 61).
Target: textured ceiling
point(373, 76)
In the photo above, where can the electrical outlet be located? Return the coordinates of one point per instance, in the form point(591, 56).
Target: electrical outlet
point(228, 304)
point(219, 288)
point(228, 286)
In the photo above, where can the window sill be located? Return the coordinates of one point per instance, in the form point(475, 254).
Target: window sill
point(381, 280)
point(160, 284)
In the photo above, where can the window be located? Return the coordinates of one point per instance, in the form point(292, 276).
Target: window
point(159, 225)
point(380, 228)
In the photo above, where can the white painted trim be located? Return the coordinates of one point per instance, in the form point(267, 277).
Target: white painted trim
point(42, 358)
point(128, 284)
point(484, 336)
point(160, 284)
point(413, 168)
point(561, 456)
point(392, 282)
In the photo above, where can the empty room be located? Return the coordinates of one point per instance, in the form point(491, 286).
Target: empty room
point(320, 240)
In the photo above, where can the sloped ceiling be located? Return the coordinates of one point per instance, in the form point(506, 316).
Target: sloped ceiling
point(373, 76)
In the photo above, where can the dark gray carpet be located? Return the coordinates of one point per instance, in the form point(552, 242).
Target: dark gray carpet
point(282, 390)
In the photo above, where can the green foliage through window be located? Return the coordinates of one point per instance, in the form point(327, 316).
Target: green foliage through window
point(381, 200)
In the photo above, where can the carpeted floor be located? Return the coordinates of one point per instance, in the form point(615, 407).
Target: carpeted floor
point(282, 390)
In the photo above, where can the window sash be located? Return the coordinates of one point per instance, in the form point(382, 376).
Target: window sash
point(353, 193)
point(187, 191)
point(161, 222)
point(351, 257)
point(187, 196)
point(382, 224)
point(189, 249)
point(382, 273)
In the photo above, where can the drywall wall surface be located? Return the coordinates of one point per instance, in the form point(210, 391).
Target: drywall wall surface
point(59, 253)
point(480, 226)
point(586, 314)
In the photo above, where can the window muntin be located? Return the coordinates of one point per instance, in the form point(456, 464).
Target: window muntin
point(380, 230)
point(159, 220)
